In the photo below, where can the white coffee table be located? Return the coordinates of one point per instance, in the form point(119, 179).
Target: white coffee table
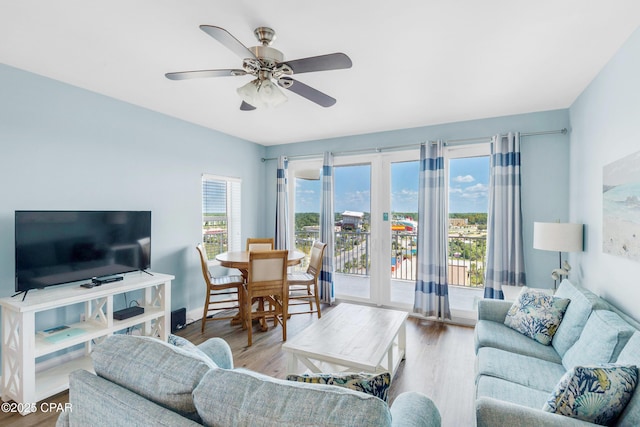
point(352, 338)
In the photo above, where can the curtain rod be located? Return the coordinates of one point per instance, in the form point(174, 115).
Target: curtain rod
point(474, 140)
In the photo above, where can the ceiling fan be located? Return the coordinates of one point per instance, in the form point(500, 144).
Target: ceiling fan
point(267, 65)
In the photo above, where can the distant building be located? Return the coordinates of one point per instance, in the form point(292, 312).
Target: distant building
point(352, 220)
point(458, 222)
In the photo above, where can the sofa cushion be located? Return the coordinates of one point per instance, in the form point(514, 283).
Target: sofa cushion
point(497, 388)
point(158, 371)
point(630, 355)
point(595, 393)
point(601, 340)
point(244, 398)
point(525, 370)
point(374, 384)
point(498, 335)
point(536, 314)
point(583, 302)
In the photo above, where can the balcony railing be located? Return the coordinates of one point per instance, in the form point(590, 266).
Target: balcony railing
point(352, 255)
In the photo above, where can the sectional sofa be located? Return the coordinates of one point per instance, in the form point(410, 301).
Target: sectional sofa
point(515, 375)
point(142, 381)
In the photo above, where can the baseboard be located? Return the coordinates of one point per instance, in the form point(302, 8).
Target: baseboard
point(194, 315)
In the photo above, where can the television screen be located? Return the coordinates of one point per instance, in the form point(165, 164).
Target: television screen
point(56, 247)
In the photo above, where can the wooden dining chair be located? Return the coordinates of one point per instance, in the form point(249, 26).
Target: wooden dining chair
point(266, 283)
point(259, 244)
point(223, 292)
point(303, 287)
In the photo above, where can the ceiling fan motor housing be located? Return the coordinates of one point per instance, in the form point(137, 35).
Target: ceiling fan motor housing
point(268, 56)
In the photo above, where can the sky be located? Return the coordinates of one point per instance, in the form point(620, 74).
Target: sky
point(468, 187)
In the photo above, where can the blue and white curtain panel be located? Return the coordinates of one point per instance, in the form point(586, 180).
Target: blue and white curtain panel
point(282, 205)
point(432, 290)
point(327, 219)
point(505, 255)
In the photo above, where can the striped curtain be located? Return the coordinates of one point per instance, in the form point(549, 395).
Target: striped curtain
point(282, 205)
point(327, 219)
point(432, 293)
point(505, 255)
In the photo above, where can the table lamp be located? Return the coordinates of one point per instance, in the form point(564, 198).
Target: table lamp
point(560, 237)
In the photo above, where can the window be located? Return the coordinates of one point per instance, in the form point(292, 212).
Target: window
point(221, 218)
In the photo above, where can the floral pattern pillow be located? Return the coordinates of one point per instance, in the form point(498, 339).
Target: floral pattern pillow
point(597, 394)
point(536, 314)
point(374, 384)
point(181, 342)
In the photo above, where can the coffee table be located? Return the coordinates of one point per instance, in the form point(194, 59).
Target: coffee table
point(352, 338)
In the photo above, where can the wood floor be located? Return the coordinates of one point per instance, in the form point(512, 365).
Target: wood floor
point(439, 363)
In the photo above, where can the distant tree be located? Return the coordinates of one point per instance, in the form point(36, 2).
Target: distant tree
point(306, 219)
point(477, 218)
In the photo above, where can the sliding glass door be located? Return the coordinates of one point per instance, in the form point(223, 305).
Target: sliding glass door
point(375, 224)
point(352, 232)
point(403, 228)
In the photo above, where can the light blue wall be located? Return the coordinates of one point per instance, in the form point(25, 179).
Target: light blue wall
point(70, 149)
point(545, 174)
point(606, 128)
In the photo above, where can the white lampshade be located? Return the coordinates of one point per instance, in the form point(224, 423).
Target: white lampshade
point(262, 93)
point(558, 237)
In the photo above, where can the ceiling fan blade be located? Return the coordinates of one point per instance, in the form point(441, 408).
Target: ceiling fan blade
point(246, 107)
point(230, 42)
point(332, 61)
point(184, 75)
point(308, 92)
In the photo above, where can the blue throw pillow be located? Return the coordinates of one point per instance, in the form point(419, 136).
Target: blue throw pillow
point(595, 393)
point(536, 314)
point(374, 384)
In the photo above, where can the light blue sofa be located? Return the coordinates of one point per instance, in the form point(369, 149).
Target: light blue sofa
point(515, 375)
point(145, 382)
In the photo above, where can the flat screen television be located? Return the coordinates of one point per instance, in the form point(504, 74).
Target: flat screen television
point(56, 247)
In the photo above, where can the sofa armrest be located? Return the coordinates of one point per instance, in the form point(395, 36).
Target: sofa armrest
point(98, 402)
point(219, 351)
point(493, 309)
point(412, 409)
point(492, 412)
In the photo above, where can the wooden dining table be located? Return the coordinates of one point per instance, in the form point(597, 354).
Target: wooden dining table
point(240, 261)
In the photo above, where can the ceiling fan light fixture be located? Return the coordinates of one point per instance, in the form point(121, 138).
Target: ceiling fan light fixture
point(262, 93)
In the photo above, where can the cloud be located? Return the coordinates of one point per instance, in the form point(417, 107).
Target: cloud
point(404, 195)
point(478, 188)
point(477, 191)
point(466, 178)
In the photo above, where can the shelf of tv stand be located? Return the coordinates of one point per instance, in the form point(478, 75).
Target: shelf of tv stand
point(24, 380)
point(56, 378)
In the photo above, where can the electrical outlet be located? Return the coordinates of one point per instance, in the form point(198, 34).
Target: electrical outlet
point(83, 318)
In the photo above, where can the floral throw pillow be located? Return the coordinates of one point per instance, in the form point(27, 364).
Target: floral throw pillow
point(187, 346)
point(597, 394)
point(181, 342)
point(536, 314)
point(374, 384)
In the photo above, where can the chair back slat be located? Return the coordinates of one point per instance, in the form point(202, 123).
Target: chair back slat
point(315, 261)
point(204, 263)
point(255, 244)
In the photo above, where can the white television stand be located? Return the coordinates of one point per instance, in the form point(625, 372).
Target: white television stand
point(21, 346)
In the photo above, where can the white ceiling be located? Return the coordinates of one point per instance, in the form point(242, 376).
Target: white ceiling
point(415, 62)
